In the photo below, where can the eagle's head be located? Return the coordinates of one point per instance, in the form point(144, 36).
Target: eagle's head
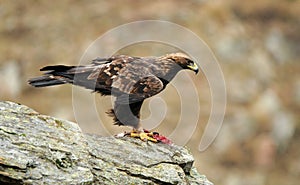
point(183, 61)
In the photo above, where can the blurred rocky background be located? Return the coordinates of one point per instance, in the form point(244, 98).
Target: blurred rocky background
point(257, 44)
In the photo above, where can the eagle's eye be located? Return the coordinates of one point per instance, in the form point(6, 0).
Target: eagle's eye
point(189, 62)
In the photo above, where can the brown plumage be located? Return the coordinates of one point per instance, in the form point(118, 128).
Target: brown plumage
point(130, 79)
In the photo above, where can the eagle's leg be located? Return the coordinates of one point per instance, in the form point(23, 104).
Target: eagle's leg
point(129, 115)
point(145, 136)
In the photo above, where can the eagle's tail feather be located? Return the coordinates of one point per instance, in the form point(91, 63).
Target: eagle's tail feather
point(56, 75)
point(44, 81)
point(57, 68)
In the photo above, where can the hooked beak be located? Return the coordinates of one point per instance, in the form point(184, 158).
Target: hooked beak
point(194, 67)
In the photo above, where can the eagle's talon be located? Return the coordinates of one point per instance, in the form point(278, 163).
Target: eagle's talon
point(144, 136)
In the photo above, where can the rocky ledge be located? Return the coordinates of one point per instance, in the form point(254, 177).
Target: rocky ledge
point(39, 149)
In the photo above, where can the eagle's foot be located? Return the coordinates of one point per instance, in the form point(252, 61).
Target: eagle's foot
point(144, 136)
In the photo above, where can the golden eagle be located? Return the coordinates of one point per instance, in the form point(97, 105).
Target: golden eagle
point(130, 79)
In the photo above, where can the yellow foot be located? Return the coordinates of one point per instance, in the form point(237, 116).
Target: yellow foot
point(143, 136)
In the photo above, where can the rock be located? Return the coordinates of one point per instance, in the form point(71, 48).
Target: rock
point(39, 149)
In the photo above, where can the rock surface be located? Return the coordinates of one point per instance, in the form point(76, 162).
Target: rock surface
point(39, 149)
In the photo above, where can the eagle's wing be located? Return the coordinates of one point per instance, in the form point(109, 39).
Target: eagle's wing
point(142, 89)
point(147, 87)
